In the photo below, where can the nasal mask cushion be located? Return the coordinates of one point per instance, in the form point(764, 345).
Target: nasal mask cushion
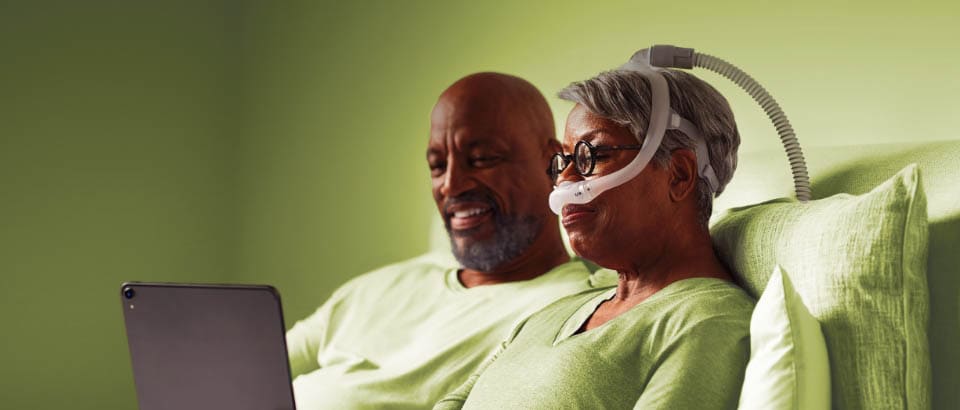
point(662, 118)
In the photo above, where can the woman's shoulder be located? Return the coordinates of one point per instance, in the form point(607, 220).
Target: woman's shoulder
point(709, 292)
point(565, 306)
point(706, 305)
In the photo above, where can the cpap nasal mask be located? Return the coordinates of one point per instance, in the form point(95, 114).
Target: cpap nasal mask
point(648, 62)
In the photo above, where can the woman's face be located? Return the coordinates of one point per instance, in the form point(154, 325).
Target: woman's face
point(624, 223)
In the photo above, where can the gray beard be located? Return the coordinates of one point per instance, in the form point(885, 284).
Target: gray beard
point(512, 236)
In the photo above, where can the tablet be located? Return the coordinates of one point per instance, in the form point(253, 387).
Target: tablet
point(207, 346)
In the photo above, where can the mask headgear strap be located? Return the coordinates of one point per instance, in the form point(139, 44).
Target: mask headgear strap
point(661, 119)
point(584, 191)
point(640, 61)
point(703, 153)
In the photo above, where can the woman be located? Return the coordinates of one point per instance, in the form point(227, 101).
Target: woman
point(674, 332)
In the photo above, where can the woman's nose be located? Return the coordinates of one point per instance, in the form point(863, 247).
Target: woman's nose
point(569, 174)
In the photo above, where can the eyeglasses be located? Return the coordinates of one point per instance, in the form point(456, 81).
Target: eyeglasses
point(584, 158)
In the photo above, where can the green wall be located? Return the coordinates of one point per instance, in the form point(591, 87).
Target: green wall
point(115, 165)
point(333, 180)
point(283, 143)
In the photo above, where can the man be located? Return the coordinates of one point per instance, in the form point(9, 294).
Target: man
point(404, 335)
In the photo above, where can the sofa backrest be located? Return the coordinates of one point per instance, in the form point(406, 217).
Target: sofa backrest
point(762, 176)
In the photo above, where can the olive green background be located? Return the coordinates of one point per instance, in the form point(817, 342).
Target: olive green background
point(283, 143)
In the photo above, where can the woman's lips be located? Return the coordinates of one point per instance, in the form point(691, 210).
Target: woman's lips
point(573, 214)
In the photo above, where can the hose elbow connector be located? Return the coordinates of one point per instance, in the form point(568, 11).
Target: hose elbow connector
point(668, 56)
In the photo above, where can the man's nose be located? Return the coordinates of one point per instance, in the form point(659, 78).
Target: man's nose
point(456, 180)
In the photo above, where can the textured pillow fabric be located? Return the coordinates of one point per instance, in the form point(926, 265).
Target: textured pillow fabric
point(788, 367)
point(859, 264)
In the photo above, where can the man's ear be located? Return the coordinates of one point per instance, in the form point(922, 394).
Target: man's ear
point(683, 174)
point(553, 147)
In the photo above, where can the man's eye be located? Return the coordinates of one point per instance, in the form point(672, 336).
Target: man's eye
point(483, 162)
point(437, 169)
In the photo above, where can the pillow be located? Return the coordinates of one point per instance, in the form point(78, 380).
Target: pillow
point(788, 366)
point(859, 264)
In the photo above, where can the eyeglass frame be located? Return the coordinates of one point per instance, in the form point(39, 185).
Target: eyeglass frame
point(571, 158)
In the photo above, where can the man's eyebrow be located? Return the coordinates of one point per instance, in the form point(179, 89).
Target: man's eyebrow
point(483, 141)
point(477, 142)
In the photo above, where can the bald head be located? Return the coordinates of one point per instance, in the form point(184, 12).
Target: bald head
point(494, 95)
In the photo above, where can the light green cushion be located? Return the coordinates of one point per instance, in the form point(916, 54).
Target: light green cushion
point(856, 169)
point(859, 264)
point(788, 367)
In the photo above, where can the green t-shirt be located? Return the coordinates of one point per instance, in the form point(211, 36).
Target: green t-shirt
point(684, 347)
point(402, 336)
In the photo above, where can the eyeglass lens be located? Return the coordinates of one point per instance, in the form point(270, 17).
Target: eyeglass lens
point(583, 157)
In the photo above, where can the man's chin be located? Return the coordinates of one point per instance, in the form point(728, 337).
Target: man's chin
point(476, 255)
point(469, 238)
point(489, 245)
point(478, 233)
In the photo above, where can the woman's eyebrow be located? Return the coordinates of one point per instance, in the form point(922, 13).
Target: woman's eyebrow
point(593, 135)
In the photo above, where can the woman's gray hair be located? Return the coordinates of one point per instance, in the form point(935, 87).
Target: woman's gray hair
point(624, 96)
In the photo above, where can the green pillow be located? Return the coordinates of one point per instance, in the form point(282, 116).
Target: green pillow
point(788, 367)
point(859, 264)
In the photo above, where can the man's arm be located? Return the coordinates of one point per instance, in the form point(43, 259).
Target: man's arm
point(305, 339)
point(703, 370)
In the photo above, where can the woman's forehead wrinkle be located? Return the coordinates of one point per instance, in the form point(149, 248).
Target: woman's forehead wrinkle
point(584, 125)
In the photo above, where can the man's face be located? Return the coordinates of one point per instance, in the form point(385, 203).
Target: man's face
point(489, 179)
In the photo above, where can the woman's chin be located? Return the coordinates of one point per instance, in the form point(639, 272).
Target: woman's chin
point(582, 246)
point(591, 249)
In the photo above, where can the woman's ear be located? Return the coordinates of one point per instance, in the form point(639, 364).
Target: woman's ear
point(683, 174)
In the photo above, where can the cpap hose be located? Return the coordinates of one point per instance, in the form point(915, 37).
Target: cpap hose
point(678, 57)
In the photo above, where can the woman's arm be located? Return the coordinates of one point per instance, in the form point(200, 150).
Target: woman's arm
point(455, 400)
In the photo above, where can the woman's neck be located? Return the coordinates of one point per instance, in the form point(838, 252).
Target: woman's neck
point(693, 259)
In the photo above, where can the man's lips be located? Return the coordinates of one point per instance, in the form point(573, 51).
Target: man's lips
point(575, 213)
point(468, 215)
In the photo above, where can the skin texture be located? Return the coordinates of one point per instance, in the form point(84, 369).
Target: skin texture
point(491, 135)
point(645, 229)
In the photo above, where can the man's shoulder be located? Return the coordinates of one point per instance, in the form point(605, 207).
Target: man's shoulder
point(413, 271)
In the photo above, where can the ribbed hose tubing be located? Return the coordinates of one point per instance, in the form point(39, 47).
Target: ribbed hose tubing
point(798, 165)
